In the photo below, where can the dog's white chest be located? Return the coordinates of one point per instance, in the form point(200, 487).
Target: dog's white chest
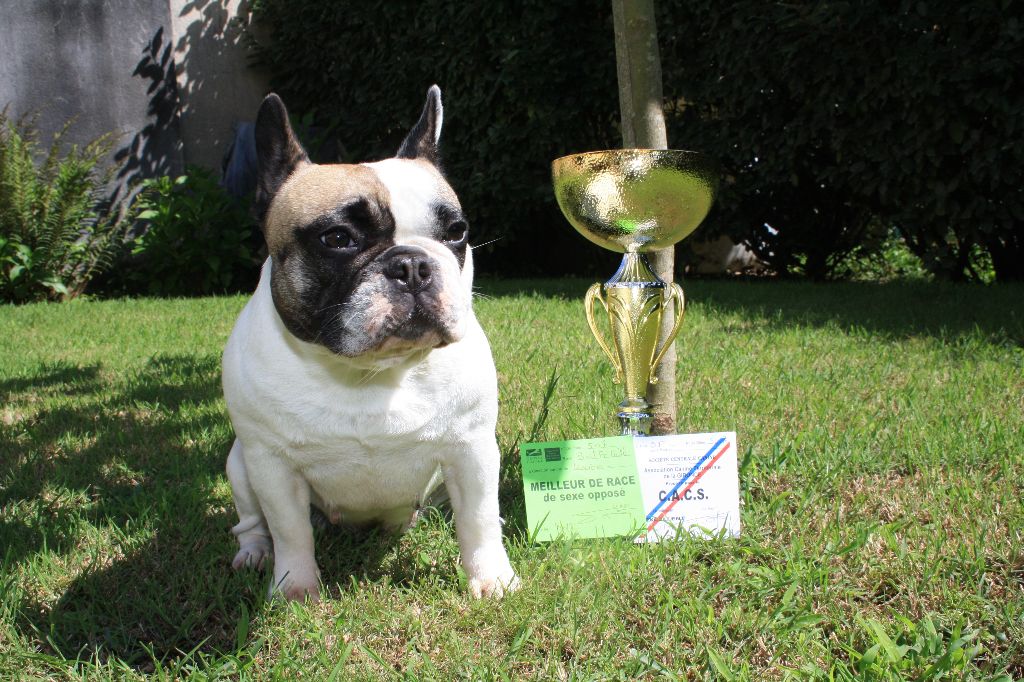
point(375, 457)
point(357, 483)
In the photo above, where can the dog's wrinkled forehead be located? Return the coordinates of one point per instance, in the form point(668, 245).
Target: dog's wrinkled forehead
point(314, 191)
point(418, 194)
point(412, 191)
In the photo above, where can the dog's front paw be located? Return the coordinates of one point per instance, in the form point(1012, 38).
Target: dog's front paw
point(496, 587)
point(493, 579)
point(297, 585)
point(253, 554)
point(294, 592)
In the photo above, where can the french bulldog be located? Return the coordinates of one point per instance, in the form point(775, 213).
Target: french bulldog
point(357, 378)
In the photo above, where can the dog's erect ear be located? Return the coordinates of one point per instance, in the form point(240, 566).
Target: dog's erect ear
point(421, 142)
point(278, 152)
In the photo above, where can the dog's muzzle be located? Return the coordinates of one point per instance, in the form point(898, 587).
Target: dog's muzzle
point(415, 285)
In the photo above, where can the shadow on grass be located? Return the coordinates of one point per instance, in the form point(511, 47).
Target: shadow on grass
point(127, 462)
point(131, 468)
point(896, 310)
point(52, 376)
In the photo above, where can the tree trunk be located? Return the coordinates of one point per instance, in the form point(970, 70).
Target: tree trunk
point(643, 126)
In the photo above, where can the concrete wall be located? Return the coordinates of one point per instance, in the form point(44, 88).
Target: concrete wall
point(170, 76)
point(216, 87)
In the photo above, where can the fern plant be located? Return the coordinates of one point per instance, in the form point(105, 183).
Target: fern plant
point(56, 229)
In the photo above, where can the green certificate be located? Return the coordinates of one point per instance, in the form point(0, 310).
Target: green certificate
point(582, 488)
point(651, 488)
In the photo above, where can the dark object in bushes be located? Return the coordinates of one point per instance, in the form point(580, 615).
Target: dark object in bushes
point(195, 238)
point(57, 230)
point(238, 172)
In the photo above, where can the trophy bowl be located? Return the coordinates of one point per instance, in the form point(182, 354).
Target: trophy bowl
point(635, 199)
point(632, 201)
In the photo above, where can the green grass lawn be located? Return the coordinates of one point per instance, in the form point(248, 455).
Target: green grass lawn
point(880, 427)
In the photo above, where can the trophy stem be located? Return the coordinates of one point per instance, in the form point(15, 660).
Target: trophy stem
point(635, 299)
point(635, 296)
point(635, 423)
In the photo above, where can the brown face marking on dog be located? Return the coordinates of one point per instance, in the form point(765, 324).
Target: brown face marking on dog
point(315, 190)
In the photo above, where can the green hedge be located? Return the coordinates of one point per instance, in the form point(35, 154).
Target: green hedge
point(839, 119)
point(522, 84)
point(835, 122)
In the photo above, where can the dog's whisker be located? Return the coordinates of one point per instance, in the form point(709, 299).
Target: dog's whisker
point(476, 293)
point(370, 374)
point(332, 323)
point(328, 307)
point(478, 246)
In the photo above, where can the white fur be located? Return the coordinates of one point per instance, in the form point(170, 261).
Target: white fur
point(413, 187)
point(363, 440)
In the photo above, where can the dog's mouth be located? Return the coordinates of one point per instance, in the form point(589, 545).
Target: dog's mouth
point(419, 324)
point(408, 327)
point(422, 328)
point(393, 347)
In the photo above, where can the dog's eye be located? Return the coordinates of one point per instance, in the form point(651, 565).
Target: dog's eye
point(456, 232)
point(337, 239)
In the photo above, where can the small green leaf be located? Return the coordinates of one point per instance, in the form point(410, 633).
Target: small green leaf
point(719, 664)
point(242, 631)
point(892, 651)
point(55, 285)
point(868, 658)
point(807, 620)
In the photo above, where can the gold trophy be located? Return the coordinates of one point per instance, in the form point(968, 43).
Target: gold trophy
point(633, 201)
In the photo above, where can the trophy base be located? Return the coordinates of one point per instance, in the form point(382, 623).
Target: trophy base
point(635, 423)
point(635, 416)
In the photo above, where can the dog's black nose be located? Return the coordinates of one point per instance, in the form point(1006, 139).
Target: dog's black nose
point(409, 268)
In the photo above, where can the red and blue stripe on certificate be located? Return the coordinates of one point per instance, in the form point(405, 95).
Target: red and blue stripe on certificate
point(715, 453)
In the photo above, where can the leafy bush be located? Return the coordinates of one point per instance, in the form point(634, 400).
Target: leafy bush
point(840, 116)
point(831, 119)
point(194, 238)
point(56, 230)
point(882, 262)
